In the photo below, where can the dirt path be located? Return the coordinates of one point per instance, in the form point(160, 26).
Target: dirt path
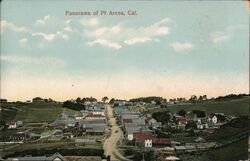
point(110, 144)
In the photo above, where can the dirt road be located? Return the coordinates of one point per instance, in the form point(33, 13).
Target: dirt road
point(110, 144)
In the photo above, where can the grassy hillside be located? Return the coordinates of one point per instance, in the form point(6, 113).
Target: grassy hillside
point(30, 112)
point(230, 107)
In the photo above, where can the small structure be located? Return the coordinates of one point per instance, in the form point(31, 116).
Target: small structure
point(83, 142)
point(37, 100)
point(12, 125)
point(148, 143)
point(171, 158)
point(94, 116)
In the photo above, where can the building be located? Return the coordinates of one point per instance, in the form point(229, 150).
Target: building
point(83, 142)
point(213, 119)
point(94, 116)
point(37, 100)
point(148, 143)
point(54, 157)
point(12, 125)
point(17, 137)
point(97, 112)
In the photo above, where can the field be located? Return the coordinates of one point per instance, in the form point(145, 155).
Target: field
point(30, 112)
point(235, 107)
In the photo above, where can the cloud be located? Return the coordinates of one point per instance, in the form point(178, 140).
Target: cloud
point(48, 37)
point(135, 40)
point(106, 43)
point(6, 24)
point(24, 40)
point(32, 60)
point(92, 22)
point(125, 35)
point(42, 22)
point(182, 47)
point(219, 37)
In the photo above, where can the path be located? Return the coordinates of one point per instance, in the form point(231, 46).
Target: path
point(110, 144)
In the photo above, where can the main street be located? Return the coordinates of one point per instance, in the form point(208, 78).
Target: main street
point(110, 144)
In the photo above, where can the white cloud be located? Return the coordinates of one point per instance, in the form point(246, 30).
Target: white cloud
point(6, 24)
point(24, 40)
point(219, 37)
point(122, 35)
point(92, 22)
point(135, 40)
point(42, 22)
point(106, 43)
point(182, 47)
point(48, 37)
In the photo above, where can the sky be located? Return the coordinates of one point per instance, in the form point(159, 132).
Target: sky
point(169, 49)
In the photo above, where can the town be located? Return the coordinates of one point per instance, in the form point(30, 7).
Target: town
point(146, 128)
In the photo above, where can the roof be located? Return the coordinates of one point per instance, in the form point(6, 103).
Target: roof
point(127, 120)
point(85, 141)
point(141, 136)
point(172, 158)
point(94, 115)
point(161, 141)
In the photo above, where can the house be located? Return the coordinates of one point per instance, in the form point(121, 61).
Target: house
point(143, 136)
point(67, 135)
point(19, 123)
point(148, 143)
point(12, 125)
point(95, 129)
point(200, 125)
point(65, 115)
point(154, 124)
point(54, 157)
point(37, 100)
point(71, 123)
point(83, 142)
point(172, 158)
point(130, 131)
point(212, 118)
point(161, 141)
point(34, 136)
point(97, 112)
point(17, 137)
point(78, 117)
point(94, 116)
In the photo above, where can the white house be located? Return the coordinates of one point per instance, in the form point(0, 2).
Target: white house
point(12, 125)
point(97, 112)
point(78, 117)
point(148, 143)
point(213, 118)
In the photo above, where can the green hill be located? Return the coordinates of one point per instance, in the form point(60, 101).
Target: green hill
point(230, 107)
point(30, 112)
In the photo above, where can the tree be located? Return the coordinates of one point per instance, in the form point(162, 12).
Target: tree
point(182, 112)
point(193, 98)
point(163, 117)
point(112, 100)
point(78, 100)
point(199, 113)
point(104, 99)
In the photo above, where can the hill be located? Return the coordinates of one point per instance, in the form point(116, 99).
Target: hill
point(30, 112)
point(230, 107)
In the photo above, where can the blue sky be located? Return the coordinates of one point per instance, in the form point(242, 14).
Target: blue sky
point(169, 49)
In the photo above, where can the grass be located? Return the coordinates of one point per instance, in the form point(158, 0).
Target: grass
point(233, 152)
point(232, 107)
point(32, 112)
